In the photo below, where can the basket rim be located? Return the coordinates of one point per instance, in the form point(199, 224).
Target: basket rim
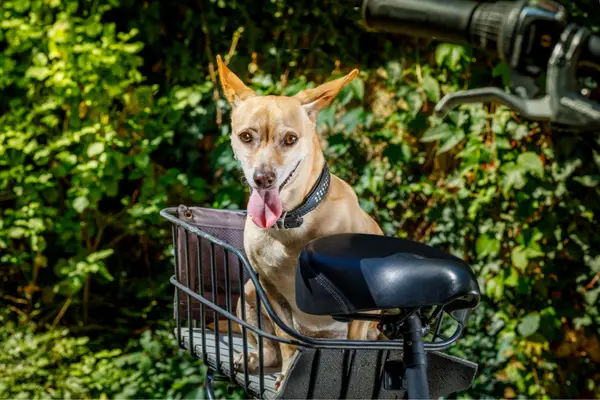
point(212, 209)
point(171, 215)
point(213, 217)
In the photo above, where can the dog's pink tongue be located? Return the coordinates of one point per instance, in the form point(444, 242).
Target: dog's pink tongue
point(265, 207)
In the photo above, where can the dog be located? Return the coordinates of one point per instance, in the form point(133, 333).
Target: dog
point(274, 138)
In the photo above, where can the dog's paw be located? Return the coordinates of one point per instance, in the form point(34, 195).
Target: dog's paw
point(238, 362)
point(279, 382)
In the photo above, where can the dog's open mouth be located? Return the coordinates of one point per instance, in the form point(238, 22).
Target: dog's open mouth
point(289, 177)
point(264, 206)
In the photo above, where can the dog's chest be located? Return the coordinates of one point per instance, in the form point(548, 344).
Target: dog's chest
point(271, 257)
point(273, 254)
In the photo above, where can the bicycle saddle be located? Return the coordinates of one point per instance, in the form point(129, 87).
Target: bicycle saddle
point(349, 273)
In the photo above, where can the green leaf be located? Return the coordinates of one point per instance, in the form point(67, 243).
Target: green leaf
point(517, 131)
point(455, 56)
point(358, 87)
point(39, 73)
point(133, 48)
point(529, 325)
point(431, 87)
point(451, 142)
point(21, 6)
point(93, 29)
point(16, 232)
point(449, 55)
point(415, 101)
point(327, 117)
point(194, 99)
point(104, 273)
point(495, 288)
point(531, 162)
point(513, 176)
point(487, 246)
point(502, 143)
point(592, 295)
point(588, 180)
point(141, 160)
point(594, 264)
point(394, 71)
point(442, 131)
point(94, 149)
point(518, 257)
point(352, 119)
point(511, 277)
point(580, 322)
point(100, 255)
point(81, 203)
point(442, 51)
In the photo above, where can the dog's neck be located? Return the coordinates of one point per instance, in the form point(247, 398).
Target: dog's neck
point(293, 194)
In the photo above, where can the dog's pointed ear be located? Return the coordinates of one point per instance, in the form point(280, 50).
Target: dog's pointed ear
point(314, 100)
point(234, 89)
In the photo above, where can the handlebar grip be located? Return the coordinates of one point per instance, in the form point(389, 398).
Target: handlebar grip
point(492, 25)
point(446, 20)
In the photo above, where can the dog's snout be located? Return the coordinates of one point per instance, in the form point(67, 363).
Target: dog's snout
point(264, 178)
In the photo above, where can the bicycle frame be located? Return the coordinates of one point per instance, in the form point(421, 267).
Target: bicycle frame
point(321, 368)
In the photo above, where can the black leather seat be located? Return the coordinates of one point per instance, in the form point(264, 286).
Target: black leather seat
point(350, 273)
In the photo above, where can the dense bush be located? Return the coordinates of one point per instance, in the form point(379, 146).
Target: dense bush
point(60, 366)
point(109, 111)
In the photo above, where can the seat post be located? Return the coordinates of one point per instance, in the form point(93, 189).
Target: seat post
point(415, 358)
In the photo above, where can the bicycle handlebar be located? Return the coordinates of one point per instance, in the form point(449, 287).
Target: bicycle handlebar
point(489, 26)
point(530, 36)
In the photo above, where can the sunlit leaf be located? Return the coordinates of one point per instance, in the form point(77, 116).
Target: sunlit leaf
point(529, 325)
point(100, 255)
point(94, 149)
point(487, 246)
point(513, 176)
point(80, 204)
point(39, 73)
point(451, 141)
point(532, 163)
point(438, 132)
point(431, 88)
point(588, 180)
point(519, 257)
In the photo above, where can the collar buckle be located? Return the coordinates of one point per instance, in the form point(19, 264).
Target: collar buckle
point(289, 222)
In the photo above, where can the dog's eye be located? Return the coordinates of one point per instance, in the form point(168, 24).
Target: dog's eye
point(290, 139)
point(245, 137)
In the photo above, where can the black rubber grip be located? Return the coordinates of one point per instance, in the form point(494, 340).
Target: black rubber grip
point(489, 26)
point(445, 20)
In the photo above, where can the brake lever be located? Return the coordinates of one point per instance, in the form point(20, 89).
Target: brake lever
point(538, 109)
point(561, 105)
point(570, 107)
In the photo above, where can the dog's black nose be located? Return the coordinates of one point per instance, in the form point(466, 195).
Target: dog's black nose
point(264, 179)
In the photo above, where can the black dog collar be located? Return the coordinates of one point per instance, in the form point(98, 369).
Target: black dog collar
point(294, 218)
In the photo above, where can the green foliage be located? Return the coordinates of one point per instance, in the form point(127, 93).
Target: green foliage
point(56, 365)
point(109, 111)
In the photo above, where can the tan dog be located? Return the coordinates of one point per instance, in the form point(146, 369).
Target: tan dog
point(275, 140)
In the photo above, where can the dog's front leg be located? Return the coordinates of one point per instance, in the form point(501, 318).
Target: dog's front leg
point(287, 352)
point(283, 311)
point(270, 350)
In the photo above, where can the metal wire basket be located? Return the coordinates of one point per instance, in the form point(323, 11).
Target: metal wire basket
point(211, 270)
